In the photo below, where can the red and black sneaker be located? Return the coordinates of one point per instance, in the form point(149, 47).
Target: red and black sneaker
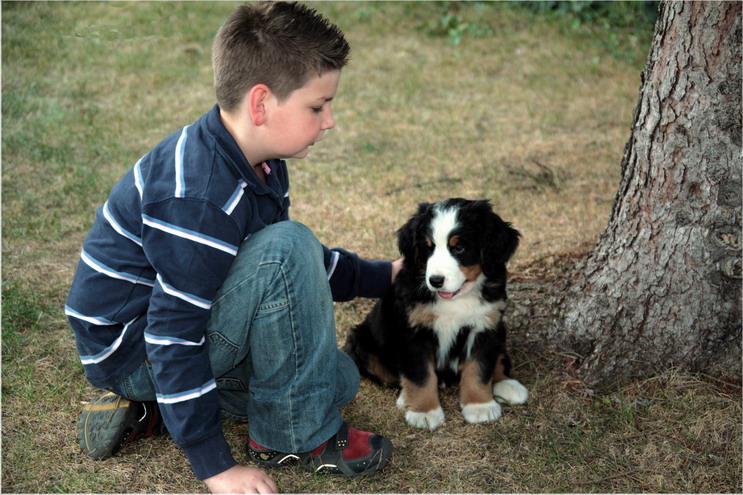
point(349, 453)
point(110, 421)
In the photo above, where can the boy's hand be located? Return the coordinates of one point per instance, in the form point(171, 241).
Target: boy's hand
point(396, 266)
point(241, 479)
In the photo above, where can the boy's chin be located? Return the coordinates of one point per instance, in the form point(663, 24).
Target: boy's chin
point(300, 154)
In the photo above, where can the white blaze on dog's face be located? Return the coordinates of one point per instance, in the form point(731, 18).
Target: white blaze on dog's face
point(444, 272)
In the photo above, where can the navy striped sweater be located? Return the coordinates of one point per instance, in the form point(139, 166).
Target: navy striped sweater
point(157, 253)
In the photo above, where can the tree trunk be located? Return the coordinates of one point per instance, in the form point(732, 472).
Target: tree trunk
point(662, 288)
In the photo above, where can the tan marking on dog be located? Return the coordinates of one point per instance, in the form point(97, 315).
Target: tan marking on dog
point(422, 399)
point(454, 241)
point(499, 372)
point(471, 389)
point(379, 370)
point(421, 316)
point(471, 272)
point(429, 242)
point(494, 316)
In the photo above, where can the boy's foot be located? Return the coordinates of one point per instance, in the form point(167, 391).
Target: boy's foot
point(110, 421)
point(348, 453)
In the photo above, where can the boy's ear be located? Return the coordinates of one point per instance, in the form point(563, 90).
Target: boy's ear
point(257, 97)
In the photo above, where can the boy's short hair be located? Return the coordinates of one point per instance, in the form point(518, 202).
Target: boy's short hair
point(279, 44)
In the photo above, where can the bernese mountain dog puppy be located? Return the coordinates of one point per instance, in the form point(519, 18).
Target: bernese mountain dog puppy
point(442, 320)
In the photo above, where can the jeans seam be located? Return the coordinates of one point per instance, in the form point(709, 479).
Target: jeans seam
point(292, 425)
point(273, 306)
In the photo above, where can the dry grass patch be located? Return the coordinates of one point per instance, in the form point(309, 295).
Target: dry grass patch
point(419, 121)
point(527, 116)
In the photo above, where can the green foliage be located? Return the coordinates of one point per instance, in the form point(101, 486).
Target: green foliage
point(615, 25)
point(610, 15)
point(619, 27)
point(452, 24)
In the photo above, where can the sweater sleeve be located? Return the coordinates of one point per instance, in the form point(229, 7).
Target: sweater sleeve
point(351, 276)
point(191, 245)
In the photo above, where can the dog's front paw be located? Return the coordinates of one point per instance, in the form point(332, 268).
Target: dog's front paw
point(430, 419)
point(510, 391)
point(481, 413)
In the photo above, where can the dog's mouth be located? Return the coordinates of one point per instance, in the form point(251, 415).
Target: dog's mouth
point(448, 295)
point(466, 286)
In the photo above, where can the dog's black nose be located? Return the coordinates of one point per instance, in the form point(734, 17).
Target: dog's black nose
point(436, 281)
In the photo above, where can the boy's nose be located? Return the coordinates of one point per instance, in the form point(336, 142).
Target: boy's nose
point(329, 121)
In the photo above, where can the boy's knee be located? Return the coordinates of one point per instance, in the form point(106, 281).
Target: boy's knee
point(290, 244)
point(298, 237)
point(294, 242)
point(298, 232)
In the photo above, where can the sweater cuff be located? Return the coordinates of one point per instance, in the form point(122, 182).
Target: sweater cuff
point(375, 278)
point(210, 457)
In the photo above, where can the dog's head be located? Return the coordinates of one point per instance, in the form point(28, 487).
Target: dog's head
point(458, 243)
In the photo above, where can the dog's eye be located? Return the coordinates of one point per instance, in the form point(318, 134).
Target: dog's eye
point(458, 249)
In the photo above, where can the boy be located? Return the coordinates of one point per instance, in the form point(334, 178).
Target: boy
point(195, 293)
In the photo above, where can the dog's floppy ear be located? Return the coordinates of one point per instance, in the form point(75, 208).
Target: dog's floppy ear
point(505, 241)
point(499, 239)
point(408, 236)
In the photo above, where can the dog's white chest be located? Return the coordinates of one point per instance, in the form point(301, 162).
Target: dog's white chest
point(469, 310)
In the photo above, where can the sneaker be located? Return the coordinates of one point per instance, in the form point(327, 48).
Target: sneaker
point(349, 453)
point(110, 421)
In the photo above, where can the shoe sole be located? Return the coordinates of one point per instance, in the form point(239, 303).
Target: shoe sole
point(92, 425)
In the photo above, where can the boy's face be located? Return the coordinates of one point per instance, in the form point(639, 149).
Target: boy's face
point(302, 119)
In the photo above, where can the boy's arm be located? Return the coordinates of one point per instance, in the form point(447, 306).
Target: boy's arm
point(191, 245)
point(351, 276)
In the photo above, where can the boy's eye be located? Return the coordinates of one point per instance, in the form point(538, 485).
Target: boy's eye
point(317, 109)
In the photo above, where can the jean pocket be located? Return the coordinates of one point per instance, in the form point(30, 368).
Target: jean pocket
point(223, 353)
point(231, 384)
point(265, 310)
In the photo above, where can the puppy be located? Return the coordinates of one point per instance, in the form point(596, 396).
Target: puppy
point(442, 320)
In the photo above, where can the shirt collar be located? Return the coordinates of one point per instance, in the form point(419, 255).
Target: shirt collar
point(225, 141)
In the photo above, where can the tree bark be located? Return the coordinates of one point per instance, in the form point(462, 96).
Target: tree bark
point(662, 287)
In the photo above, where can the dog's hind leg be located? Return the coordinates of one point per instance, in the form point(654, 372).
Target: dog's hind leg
point(380, 372)
point(362, 348)
point(353, 348)
point(507, 389)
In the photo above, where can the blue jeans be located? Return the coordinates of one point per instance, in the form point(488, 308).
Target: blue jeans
point(272, 344)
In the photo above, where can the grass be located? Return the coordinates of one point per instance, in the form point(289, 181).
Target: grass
point(520, 111)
